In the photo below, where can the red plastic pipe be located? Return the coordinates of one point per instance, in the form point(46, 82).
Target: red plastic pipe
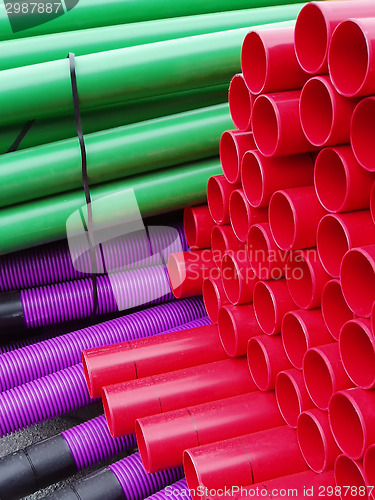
point(325, 114)
point(352, 416)
point(369, 465)
point(324, 373)
point(338, 233)
point(306, 278)
point(349, 472)
point(244, 460)
point(218, 193)
point(262, 176)
point(271, 302)
point(316, 441)
point(372, 202)
point(240, 103)
point(213, 297)
point(125, 403)
point(301, 330)
point(362, 133)
point(292, 225)
point(335, 310)
point(351, 58)
point(357, 351)
point(265, 257)
point(266, 358)
point(162, 439)
point(277, 128)
point(198, 225)
point(269, 62)
point(238, 277)
point(243, 215)
point(357, 276)
point(341, 184)
point(187, 271)
point(292, 396)
point(224, 240)
point(237, 325)
point(233, 145)
point(315, 25)
point(145, 357)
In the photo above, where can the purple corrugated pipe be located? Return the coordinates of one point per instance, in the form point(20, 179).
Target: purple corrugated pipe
point(179, 489)
point(42, 399)
point(52, 263)
point(52, 304)
point(38, 360)
point(136, 483)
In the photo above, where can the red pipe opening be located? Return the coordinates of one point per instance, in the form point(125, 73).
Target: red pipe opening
point(213, 297)
point(266, 358)
point(240, 103)
point(271, 301)
point(358, 279)
point(266, 130)
point(335, 310)
point(357, 350)
point(369, 465)
point(237, 325)
point(243, 216)
point(372, 202)
point(223, 240)
point(316, 442)
point(362, 133)
point(233, 145)
point(292, 396)
point(218, 193)
point(351, 473)
point(332, 242)
point(198, 225)
point(238, 277)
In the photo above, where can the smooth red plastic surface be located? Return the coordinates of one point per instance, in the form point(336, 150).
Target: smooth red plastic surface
point(324, 373)
point(369, 465)
point(352, 416)
point(262, 176)
point(316, 441)
point(125, 403)
point(277, 128)
point(244, 460)
point(351, 59)
point(357, 276)
point(233, 145)
point(187, 271)
point(338, 233)
point(301, 330)
point(362, 133)
point(238, 277)
point(341, 184)
point(349, 472)
point(223, 240)
point(306, 278)
point(325, 114)
point(269, 62)
point(266, 358)
point(357, 351)
point(292, 396)
point(315, 25)
point(149, 356)
point(243, 215)
point(293, 225)
point(237, 325)
point(240, 103)
point(271, 302)
point(218, 194)
point(213, 297)
point(162, 439)
point(335, 310)
point(372, 202)
point(198, 225)
point(265, 257)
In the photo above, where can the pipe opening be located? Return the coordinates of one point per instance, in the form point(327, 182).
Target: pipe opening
point(228, 332)
point(252, 179)
point(175, 274)
point(239, 211)
point(318, 378)
point(335, 310)
point(211, 299)
point(231, 278)
point(108, 413)
point(312, 442)
point(330, 178)
point(254, 62)
point(216, 200)
point(369, 465)
point(300, 281)
point(294, 339)
point(259, 364)
point(87, 374)
point(190, 227)
point(348, 472)
point(332, 243)
point(265, 308)
point(282, 220)
point(191, 472)
point(142, 446)
point(240, 103)
point(363, 133)
point(218, 244)
point(316, 112)
point(259, 252)
point(229, 156)
point(288, 398)
point(265, 125)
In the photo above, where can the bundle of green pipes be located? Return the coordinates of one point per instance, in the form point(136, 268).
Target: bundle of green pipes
point(153, 103)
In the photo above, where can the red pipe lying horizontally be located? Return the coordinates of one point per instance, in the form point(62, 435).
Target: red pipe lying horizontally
point(233, 145)
point(213, 297)
point(362, 133)
point(125, 403)
point(162, 439)
point(218, 194)
point(238, 277)
point(335, 310)
point(240, 103)
point(243, 215)
point(351, 473)
point(117, 363)
point(223, 240)
point(198, 225)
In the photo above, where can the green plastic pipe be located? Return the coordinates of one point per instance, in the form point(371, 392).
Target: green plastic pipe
point(44, 220)
point(96, 13)
point(52, 130)
point(40, 49)
point(44, 90)
point(112, 154)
